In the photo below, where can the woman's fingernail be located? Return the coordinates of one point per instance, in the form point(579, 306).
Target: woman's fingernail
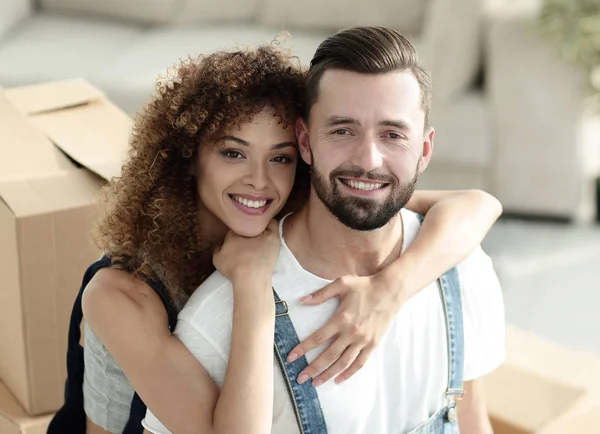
point(292, 357)
point(317, 382)
point(306, 298)
point(302, 378)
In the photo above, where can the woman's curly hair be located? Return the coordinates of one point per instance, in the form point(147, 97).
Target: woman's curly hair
point(151, 226)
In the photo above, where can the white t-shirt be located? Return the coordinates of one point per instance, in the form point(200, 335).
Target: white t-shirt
point(403, 382)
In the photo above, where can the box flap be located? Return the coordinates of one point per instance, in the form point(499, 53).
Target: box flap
point(95, 135)
point(537, 354)
point(77, 118)
point(542, 387)
point(527, 401)
point(46, 97)
point(585, 423)
point(24, 149)
point(45, 194)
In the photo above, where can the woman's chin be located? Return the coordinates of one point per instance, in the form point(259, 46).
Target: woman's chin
point(249, 231)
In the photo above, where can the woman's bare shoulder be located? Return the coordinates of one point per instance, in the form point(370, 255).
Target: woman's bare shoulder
point(114, 293)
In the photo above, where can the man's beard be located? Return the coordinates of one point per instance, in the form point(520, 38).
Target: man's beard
point(362, 213)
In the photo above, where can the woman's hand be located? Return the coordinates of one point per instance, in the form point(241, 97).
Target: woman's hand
point(245, 258)
point(367, 307)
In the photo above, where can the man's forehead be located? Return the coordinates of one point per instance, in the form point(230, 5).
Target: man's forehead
point(394, 95)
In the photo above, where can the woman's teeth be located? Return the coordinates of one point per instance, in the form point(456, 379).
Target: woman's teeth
point(250, 203)
point(363, 185)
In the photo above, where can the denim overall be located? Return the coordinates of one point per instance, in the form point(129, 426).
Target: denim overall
point(305, 401)
point(71, 418)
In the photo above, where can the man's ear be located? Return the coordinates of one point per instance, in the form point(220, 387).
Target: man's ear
point(427, 149)
point(303, 142)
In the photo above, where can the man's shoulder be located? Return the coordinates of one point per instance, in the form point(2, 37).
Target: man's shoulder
point(214, 295)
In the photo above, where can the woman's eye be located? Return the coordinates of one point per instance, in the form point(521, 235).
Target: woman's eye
point(232, 154)
point(282, 159)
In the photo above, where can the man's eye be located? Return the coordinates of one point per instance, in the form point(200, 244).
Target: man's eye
point(395, 136)
point(341, 132)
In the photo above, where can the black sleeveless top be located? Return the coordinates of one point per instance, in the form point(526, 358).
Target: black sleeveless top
point(71, 418)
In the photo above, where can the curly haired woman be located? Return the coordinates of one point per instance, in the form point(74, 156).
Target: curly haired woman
point(222, 111)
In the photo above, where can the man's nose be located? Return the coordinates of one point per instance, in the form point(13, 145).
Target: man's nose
point(367, 155)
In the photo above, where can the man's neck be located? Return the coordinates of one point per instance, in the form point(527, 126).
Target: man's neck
point(329, 249)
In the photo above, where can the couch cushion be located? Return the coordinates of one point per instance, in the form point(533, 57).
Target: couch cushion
point(130, 78)
point(158, 11)
point(403, 15)
point(462, 150)
point(462, 131)
point(49, 47)
point(12, 12)
point(451, 45)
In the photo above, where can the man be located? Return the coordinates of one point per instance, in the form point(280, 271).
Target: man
point(367, 137)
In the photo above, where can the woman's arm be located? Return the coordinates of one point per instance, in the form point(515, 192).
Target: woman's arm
point(454, 225)
point(130, 320)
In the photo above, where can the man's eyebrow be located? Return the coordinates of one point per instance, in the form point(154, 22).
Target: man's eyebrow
point(341, 120)
point(243, 142)
point(401, 125)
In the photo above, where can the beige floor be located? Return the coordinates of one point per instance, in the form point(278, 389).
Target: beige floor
point(550, 273)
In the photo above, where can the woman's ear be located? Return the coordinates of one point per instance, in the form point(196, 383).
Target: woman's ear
point(303, 142)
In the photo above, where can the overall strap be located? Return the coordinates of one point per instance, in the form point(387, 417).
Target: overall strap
point(450, 292)
point(304, 398)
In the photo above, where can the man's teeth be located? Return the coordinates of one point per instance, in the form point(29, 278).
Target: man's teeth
point(250, 203)
point(363, 186)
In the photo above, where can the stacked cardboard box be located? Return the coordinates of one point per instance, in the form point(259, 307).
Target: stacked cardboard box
point(14, 420)
point(58, 143)
point(543, 388)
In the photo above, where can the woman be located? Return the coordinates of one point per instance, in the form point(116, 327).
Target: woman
point(161, 229)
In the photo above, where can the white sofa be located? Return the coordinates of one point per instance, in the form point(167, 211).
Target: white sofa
point(546, 138)
point(122, 45)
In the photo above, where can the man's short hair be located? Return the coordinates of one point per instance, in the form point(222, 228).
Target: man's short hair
point(367, 50)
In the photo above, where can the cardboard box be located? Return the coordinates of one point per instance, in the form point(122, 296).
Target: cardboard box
point(59, 142)
point(14, 420)
point(544, 389)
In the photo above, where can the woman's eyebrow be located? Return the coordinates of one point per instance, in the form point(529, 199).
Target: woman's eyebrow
point(243, 142)
point(283, 145)
point(233, 139)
